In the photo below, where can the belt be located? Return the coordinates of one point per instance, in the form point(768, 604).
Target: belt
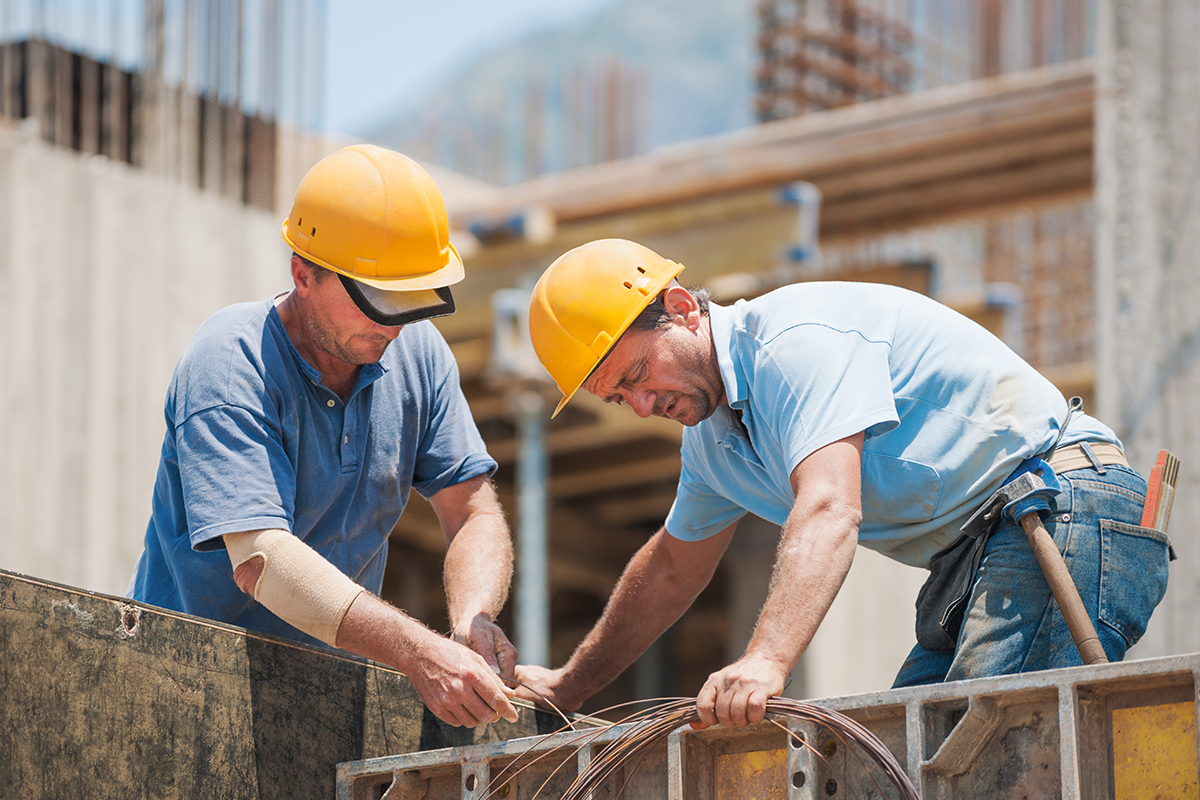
point(1086, 454)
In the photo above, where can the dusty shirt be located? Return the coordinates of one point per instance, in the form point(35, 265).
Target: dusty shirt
point(948, 412)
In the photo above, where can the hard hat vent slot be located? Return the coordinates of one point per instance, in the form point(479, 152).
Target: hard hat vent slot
point(642, 270)
point(314, 232)
point(628, 285)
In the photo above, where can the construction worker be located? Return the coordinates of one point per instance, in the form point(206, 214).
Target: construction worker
point(296, 428)
point(848, 414)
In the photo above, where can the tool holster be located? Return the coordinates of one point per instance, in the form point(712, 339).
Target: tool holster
point(942, 601)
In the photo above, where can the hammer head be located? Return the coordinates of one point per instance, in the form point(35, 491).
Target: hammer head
point(1031, 489)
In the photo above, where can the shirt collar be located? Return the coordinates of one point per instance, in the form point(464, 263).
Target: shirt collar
point(367, 373)
point(721, 321)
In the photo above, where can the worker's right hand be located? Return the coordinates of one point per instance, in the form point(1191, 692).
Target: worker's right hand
point(544, 686)
point(457, 685)
point(486, 638)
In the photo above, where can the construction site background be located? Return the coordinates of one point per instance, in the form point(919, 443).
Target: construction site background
point(138, 195)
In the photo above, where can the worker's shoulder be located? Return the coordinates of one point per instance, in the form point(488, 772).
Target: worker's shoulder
point(837, 305)
point(827, 295)
point(419, 342)
point(244, 330)
point(233, 326)
point(233, 322)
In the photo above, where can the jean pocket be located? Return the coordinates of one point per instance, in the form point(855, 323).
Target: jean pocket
point(1133, 576)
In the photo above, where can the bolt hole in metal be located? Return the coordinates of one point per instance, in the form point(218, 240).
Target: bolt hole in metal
point(796, 740)
point(830, 748)
point(798, 779)
point(471, 782)
point(831, 787)
point(504, 790)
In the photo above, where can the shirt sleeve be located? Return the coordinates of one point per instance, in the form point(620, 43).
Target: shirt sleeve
point(235, 475)
point(451, 451)
point(698, 512)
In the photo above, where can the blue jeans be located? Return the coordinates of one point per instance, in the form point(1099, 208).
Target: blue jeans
point(1012, 623)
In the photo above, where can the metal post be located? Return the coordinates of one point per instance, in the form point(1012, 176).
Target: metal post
point(514, 366)
point(533, 596)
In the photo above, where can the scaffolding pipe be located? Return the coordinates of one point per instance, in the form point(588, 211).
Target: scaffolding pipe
point(533, 595)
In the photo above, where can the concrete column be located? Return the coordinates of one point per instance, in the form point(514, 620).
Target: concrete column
point(1148, 268)
point(151, 153)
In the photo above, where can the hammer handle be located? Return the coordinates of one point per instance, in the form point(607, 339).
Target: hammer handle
point(1063, 588)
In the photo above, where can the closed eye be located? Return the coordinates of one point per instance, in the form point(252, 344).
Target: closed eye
point(632, 378)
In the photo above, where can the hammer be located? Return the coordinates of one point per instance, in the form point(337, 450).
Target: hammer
point(1026, 497)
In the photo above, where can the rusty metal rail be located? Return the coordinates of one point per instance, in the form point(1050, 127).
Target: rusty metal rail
point(1105, 732)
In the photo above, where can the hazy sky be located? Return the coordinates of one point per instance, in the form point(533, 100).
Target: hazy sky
point(382, 54)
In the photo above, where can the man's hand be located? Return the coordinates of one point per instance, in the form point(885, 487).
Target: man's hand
point(488, 640)
point(815, 552)
point(458, 685)
point(737, 695)
point(541, 685)
point(453, 680)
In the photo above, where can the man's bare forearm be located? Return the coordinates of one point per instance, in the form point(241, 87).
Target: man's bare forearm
point(816, 548)
point(477, 572)
point(478, 569)
point(657, 586)
point(810, 567)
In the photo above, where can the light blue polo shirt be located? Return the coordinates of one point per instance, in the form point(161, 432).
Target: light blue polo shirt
point(948, 410)
point(255, 441)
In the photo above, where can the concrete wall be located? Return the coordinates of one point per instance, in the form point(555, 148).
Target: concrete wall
point(1148, 268)
point(105, 273)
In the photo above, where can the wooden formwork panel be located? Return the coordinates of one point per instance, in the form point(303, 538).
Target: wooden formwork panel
point(105, 698)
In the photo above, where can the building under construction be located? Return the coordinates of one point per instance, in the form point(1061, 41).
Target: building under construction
point(1032, 164)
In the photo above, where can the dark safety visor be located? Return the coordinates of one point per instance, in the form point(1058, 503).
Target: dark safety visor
point(398, 308)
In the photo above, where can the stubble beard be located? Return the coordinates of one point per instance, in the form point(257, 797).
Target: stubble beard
point(324, 341)
point(702, 402)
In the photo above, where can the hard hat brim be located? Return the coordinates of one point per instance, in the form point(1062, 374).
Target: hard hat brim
point(449, 274)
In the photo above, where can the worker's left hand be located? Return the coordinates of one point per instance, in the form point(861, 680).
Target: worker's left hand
point(486, 638)
point(737, 695)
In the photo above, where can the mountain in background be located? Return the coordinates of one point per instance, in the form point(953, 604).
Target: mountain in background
point(638, 75)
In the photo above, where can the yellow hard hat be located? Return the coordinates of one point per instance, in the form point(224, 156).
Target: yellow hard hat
point(376, 217)
point(585, 300)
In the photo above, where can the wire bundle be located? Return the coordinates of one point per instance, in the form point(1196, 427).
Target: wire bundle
point(647, 728)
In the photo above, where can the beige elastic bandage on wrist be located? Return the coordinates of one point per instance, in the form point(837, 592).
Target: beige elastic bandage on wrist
point(296, 583)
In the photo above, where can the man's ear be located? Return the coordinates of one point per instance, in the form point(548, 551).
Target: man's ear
point(302, 276)
point(682, 306)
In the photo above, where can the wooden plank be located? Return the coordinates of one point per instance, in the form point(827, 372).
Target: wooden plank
point(864, 136)
point(118, 700)
point(909, 206)
point(946, 165)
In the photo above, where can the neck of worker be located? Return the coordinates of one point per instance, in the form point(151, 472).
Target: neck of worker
point(336, 375)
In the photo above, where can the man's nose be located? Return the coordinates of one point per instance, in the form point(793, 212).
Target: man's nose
point(389, 331)
point(642, 403)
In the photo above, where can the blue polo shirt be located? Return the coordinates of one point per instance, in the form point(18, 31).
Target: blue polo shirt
point(254, 440)
point(948, 412)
